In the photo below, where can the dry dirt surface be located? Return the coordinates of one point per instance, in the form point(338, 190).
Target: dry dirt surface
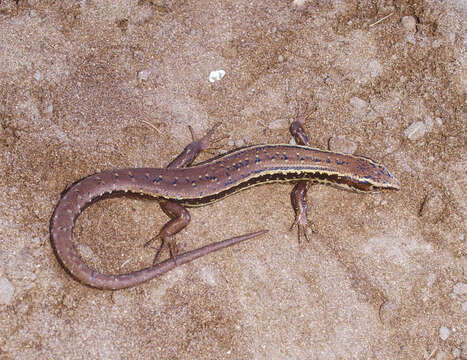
point(92, 85)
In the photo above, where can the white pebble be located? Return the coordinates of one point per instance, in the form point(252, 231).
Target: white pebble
point(143, 75)
point(298, 3)
point(415, 131)
point(37, 75)
point(7, 291)
point(444, 332)
point(409, 23)
point(216, 75)
point(464, 306)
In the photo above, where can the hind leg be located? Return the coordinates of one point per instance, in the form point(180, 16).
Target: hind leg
point(179, 215)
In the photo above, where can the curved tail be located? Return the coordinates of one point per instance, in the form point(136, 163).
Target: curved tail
point(62, 223)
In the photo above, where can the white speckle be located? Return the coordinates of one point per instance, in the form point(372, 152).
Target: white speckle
point(409, 23)
point(280, 59)
point(444, 332)
point(415, 131)
point(7, 291)
point(37, 75)
point(298, 3)
point(143, 75)
point(216, 75)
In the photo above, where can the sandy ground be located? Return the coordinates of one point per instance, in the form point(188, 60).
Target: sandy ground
point(384, 276)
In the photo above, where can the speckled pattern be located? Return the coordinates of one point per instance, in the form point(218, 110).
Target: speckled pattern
point(204, 183)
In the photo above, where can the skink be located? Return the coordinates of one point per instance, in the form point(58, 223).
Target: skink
point(178, 186)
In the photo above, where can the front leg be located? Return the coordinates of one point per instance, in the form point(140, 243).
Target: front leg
point(299, 192)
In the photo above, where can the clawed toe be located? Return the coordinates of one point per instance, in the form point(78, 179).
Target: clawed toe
point(302, 229)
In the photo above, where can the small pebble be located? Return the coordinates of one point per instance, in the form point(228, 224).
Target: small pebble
point(278, 124)
point(444, 332)
point(37, 75)
point(358, 104)
point(342, 144)
point(388, 312)
point(143, 75)
point(7, 291)
point(85, 251)
point(216, 75)
point(298, 3)
point(239, 143)
point(415, 131)
point(433, 206)
point(409, 23)
point(464, 306)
